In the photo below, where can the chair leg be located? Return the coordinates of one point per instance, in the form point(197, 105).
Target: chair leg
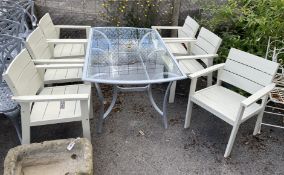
point(231, 140)
point(172, 92)
point(85, 119)
point(91, 115)
point(188, 113)
point(258, 123)
point(209, 79)
point(86, 128)
point(25, 116)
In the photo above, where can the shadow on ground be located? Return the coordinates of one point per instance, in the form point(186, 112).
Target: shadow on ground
point(134, 141)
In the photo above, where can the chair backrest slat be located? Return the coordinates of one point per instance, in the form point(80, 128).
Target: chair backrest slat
point(248, 72)
point(22, 76)
point(47, 27)
point(37, 45)
point(189, 29)
point(207, 43)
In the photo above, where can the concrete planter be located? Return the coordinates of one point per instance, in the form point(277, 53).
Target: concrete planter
point(50, 158)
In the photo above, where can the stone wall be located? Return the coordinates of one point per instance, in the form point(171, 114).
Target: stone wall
point(113, 12)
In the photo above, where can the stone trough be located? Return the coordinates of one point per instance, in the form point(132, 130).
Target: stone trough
point(50, 158)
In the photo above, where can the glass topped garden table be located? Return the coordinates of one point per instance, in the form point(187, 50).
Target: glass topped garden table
point(133, 57)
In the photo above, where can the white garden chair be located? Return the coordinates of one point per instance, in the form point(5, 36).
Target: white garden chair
point(186, 32)
point(201, 55)
point(41, 51)
point(52, 31)
point(46, 105)
point(242, 70)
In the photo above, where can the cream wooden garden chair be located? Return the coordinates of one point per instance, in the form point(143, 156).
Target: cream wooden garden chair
point(46, 105)
point(245, 71)
point(52, 33)
point(42, 53)
point(186, 32)
point(201, 55)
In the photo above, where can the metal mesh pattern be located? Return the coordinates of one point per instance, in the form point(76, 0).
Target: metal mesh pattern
point(6, 103)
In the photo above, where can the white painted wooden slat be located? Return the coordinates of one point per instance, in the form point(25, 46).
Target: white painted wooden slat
point(70, 106)
point(58, 50)
point(253, 61)
point(190, 66)
point(78, 49)
point(60, 74)
point(53, 108)
point(251, 74)
point(83, 89)
point(39, 108)
point(23, 74)
point(189, 28)
point(66, 51)
point(177, 48)
point(248, 72)
point(62, 50)
point(223, 102)
point(48, 27)
point(38, 46)
point(72, 73)
point(242, 83)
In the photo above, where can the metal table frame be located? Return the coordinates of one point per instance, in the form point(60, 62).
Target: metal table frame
point(116, 89)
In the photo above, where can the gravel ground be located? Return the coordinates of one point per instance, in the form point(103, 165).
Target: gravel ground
point(134, 141)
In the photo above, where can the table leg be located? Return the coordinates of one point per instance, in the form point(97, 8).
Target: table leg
point(164, 112)
point(102, 114)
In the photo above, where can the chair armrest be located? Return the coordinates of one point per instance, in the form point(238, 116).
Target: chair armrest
point(47, 98)
point(57, 61)
point(206, 71)
point(179, 40)
point(59, 66)
point(166, 27)
point(193, 57)
point(67, 41)
point(258, 95)
point(72, 27)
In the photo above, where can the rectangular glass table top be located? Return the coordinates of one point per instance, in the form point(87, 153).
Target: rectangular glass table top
point(124, 55)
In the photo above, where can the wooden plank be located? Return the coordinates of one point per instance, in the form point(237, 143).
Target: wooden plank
point(191, 66)
point(223, 102)
point(70, 106)
point(210, 37)
point(77, 49)
point(39, 108)
point(66, 51)
point(48, 27)
point(82, 89)
point(240, 82)
point(189, 28)
point(254, 61)
point(24, 75)
point(72, 73)
point(177, 48)
point(58, 50)
point(60, 74)
point(53, 108)
point(248, 72)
